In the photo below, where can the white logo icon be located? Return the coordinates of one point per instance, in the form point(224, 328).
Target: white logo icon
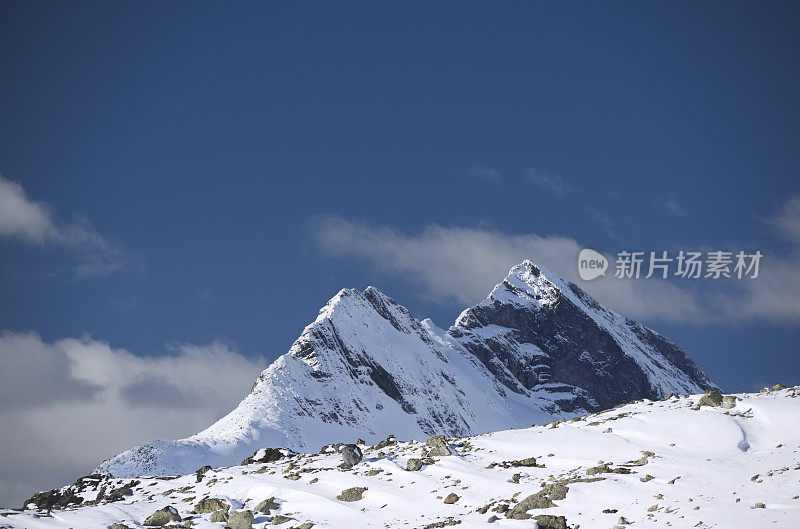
point(591, 264)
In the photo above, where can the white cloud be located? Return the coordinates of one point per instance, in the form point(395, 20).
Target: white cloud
point(552, 182)
point(31, 221)
point(461, 265)
point(67, 405)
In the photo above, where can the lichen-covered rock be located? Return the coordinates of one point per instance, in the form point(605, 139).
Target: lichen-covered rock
point(389, 441)
point(541, 500)
point(163, 517)
point(119, 526)
point(549, 521)
point(201, 472)
point(241, 520)
point(210, 505)
point(437, 446)
point(265, 506)
point(728, 402)
point(413, 464)
point(352, 494)
point(219, 516)
point(279, 519)
point(712, 398)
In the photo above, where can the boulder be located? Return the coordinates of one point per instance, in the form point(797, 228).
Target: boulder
point(351, 455)
point(352, 494)
point(241, 520)
point(265, 506)
point(413, 464)
point(279, 519)
point(201, 472)
point(163, 517)
point(437, 446)
point(210, 505)
point(451, 498)
point(219, 516)
point(728, 401)
point(712, 398)
point(264, 455)
point(549, 521)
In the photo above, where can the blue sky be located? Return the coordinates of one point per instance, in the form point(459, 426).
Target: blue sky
point(212, 173)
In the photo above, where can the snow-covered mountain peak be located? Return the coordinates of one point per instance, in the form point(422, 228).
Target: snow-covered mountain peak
point(537, 349)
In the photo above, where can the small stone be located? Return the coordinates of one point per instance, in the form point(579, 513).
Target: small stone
point(759, 505)
point(492, 519)
point(279, 519)
point(119, 526)
point(451, 498)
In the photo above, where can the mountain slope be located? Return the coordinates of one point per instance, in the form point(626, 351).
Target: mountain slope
point(537, 349)
point(671, 463)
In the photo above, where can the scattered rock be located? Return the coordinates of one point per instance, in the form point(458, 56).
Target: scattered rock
point(210, 505)
point(549, 521)
point(119, 526)
point(163, 517)
point(541, 500)
point(728, 402)
point(265, 506)
point(351, 455)
point(264, 455)
point(389, 441)
point(712, 398)
point(241, 520)
point(279, 519)
point(352, 494)
point(219, 516)
point(413, 464)
point(201, 472)
point(759, 505)
point(451, 498)
point(438, 446)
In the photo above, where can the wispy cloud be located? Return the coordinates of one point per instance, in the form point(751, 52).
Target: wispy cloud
point(460, 265)
point(672, 206)
point(33, 222)
point(67, 404)
point(487, 174)
point(549, 181)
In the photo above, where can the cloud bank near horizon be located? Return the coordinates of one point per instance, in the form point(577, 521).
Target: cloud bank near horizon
point(68, 404)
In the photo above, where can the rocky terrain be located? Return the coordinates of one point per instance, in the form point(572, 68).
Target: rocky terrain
point(536, 349)
point(697, 461)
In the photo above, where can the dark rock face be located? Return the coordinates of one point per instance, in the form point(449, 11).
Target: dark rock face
point(574, 345)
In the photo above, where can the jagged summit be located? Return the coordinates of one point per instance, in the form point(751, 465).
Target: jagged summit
point(537, 348)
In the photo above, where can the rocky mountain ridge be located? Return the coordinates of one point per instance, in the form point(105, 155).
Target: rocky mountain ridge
point(536, 349)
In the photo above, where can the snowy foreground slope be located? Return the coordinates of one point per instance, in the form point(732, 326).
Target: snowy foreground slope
point(537, 349)
point(667, 463)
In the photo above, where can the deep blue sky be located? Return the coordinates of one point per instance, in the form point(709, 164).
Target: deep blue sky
point(205, 139)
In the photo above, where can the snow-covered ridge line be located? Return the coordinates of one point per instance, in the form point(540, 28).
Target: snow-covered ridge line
point(537, 349)
point(684, 461)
